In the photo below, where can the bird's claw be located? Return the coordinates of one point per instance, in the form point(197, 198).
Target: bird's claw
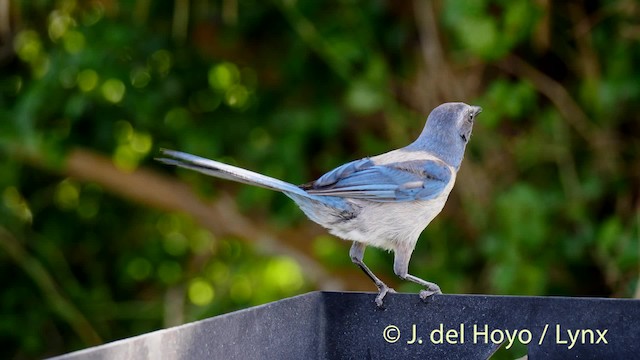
point(382, 293)
point(432, 290)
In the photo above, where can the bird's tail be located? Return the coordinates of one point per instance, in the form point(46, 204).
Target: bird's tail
point(225, 171)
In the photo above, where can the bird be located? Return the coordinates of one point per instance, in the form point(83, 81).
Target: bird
point(384, 201)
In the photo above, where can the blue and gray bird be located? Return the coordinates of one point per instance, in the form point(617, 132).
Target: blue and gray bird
point(384, 201)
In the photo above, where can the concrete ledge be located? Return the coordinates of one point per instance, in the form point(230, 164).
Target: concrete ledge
point(332, 325)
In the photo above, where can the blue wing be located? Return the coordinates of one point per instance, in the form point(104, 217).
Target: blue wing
point(400, 181)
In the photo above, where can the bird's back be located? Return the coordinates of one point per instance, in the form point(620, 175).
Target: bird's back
point(383, 224)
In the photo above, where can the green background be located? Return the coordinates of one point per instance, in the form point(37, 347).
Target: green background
point(98, 242)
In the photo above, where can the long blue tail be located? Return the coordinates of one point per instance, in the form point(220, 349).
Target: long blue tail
point(225, 171)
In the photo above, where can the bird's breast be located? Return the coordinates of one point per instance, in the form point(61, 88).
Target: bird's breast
point(391, 225)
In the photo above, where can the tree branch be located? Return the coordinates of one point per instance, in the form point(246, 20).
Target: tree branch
point(437, 79)
point(43, 280)
point(554, 91)
point(601, 141)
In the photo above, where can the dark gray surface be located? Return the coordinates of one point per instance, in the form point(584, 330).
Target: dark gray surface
point(330, 325)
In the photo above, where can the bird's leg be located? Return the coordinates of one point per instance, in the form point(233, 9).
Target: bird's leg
point(401, 268)
point(357, 254)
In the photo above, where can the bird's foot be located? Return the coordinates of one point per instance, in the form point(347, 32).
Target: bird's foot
point(383, 290)
point(433, 289)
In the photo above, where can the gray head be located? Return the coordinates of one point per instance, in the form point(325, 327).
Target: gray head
point(447, 131)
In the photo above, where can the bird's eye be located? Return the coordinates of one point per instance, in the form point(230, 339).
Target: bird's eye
point(470, 118)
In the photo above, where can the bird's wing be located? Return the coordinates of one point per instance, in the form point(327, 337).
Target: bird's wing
point(399, 181)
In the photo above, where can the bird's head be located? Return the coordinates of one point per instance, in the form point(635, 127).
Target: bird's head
point(452, 120)
point(447, 131)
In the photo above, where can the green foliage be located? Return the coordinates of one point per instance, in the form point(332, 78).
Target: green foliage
point(479, 31)
point(546, 201)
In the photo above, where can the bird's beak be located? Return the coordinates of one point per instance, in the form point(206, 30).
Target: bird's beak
point(476, 110)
